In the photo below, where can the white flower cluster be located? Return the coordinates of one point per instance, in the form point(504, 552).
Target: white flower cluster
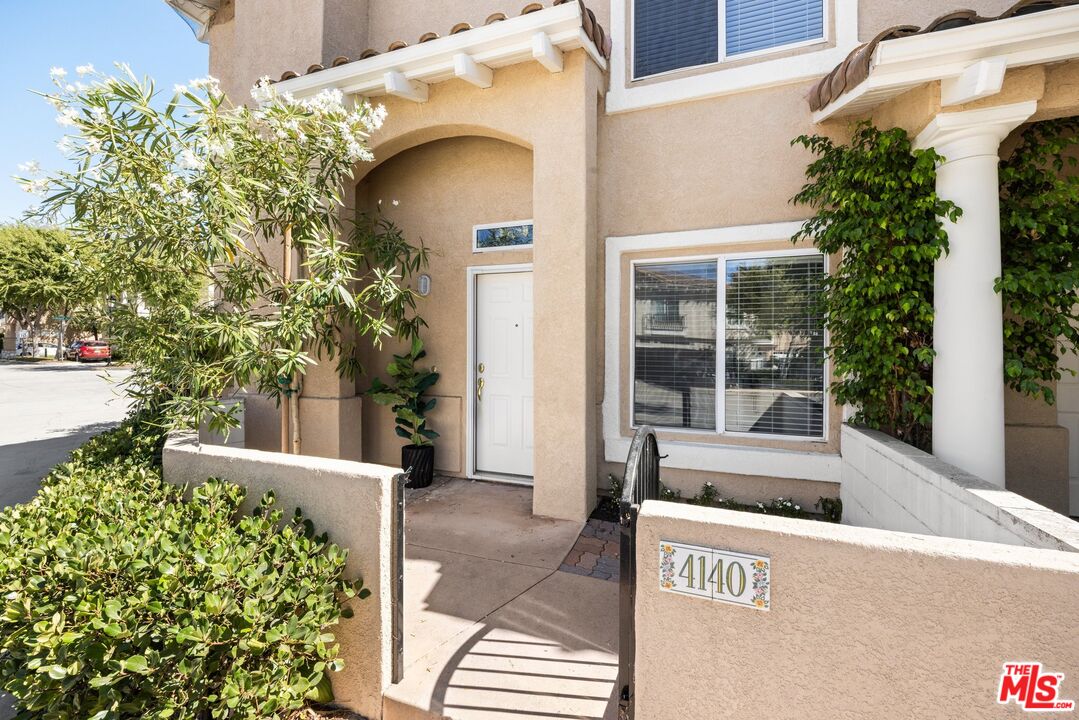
point(263, 91)
point(218, 149)
point(209, 84)
point(36, 186)
point(67, 117)
point(189, 160)
point(275, 118)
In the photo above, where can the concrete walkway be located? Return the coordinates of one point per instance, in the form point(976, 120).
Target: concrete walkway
point(47, 409)
point(493, 629)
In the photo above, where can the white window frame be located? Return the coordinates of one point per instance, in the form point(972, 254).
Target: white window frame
point(627, 94)
point(721, 42)
point(721, 260)
point(494, 226)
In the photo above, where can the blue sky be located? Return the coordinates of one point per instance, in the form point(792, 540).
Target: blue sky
point(146, 34)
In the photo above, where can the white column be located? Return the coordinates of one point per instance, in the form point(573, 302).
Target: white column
point(968, 372)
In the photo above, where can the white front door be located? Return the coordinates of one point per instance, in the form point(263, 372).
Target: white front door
point(503, 374)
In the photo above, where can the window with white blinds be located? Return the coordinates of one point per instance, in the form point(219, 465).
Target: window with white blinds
point(676, 34)
point(774, 347)
point(761, 24)
point(674, 345)
point(772, 352)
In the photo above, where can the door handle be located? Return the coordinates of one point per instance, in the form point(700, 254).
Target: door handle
point(479, 389)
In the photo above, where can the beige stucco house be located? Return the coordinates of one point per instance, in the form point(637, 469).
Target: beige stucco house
point(605, 191)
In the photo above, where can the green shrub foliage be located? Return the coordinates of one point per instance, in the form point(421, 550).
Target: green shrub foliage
point(1039, 219)
point(121, 599)
point(878, 215)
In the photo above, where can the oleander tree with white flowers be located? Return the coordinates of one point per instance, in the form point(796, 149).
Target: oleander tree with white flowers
point(242, 209)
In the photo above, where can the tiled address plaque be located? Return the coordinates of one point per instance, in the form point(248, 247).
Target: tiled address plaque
point(715, 574)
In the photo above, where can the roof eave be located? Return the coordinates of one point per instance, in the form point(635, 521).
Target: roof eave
point(904, 63)
point(200, 13)
point(497, 45)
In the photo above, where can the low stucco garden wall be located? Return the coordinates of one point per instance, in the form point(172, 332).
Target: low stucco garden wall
point(863, 623)
point(890, 485)
point(353, 503)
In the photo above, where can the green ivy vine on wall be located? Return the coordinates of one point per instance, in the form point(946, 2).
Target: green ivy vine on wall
point(877, 210)
point(1039, 228)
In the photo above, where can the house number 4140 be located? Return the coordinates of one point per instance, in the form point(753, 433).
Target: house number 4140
point(723, 575)
point(736, 575)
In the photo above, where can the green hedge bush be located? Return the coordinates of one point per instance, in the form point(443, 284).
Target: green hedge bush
point(119, 598)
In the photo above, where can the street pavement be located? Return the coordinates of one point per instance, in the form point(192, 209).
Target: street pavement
point(47, 409)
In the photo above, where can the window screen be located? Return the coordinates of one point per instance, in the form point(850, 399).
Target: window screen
point(761, 24)
point(673, 34)
point(674, 353)
point(774, 347)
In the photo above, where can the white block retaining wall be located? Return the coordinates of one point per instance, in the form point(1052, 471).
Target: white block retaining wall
point(890, 485)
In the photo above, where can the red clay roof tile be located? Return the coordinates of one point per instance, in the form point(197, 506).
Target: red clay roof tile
point(592, 29)
point(855, 68)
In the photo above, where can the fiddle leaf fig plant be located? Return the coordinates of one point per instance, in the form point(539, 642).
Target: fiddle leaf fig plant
point(406, 396)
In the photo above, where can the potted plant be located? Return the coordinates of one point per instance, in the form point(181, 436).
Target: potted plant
point(406, 398)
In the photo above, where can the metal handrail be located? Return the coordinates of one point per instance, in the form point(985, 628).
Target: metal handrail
point(641, 479)
point(641, 482)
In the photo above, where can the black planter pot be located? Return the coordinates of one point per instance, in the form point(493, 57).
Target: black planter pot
point(421, 460)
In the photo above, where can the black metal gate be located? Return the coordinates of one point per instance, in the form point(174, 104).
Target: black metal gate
point(641, 483)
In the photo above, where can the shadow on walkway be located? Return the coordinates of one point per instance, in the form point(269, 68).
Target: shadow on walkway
point(494, 629)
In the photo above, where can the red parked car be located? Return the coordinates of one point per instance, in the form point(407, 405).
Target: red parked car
point(89, 351)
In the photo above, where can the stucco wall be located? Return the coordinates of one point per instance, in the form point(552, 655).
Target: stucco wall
point(714, 163)
point(554, 115)
point(353, 504)
point(890, 485)
point(863, 623)
point(253, 38)
point(393, 20)
point(707, 164)
point(436, 193)
point(879, 15)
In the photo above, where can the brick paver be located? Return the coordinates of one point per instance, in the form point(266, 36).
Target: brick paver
point(595, 554)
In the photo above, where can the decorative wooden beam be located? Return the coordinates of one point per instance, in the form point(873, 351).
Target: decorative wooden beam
point(545, 53)
point(982, 79)
point(473, 72)
point(400, 86)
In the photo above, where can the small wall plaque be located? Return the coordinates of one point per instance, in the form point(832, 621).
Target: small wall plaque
point(423, 285)
point(722, 575)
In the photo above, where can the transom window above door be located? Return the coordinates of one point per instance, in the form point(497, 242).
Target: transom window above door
point(673, 35)
point(731, 344)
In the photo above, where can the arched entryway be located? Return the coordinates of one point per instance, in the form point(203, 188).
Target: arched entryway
point(438, 193)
